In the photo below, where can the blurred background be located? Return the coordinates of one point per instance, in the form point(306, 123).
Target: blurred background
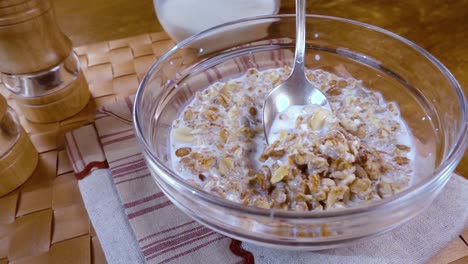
point(439, 26)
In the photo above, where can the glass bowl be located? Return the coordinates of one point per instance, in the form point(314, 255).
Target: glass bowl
point(430, 99)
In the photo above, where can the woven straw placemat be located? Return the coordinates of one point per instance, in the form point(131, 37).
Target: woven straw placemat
point(44, 221)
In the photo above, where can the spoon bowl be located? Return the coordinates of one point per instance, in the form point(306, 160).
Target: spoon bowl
point(296, 90)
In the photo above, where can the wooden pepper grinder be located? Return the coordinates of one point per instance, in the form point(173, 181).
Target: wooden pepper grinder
point(38, 64)
point(18, 157)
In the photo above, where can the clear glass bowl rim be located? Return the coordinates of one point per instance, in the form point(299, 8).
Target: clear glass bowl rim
point(445, 168)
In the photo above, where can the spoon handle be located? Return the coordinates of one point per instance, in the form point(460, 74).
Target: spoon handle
point(300, 34)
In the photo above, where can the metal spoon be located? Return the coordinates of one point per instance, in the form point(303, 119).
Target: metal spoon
point(296, 90)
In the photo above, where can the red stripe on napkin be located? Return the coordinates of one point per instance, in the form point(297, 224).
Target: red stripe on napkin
point(236, 248)
point(84, 151)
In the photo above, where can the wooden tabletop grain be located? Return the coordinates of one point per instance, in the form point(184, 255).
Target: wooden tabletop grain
point(438, 26)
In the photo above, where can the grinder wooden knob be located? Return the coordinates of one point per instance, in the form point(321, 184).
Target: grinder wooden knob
point(18, 157)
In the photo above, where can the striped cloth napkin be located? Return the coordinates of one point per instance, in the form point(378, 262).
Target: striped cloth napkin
point(136, 223)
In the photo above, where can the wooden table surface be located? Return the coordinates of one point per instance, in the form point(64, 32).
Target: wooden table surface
point(439, 26)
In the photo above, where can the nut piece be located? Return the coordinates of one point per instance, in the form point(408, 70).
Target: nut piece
point(226, 165)
point(183, 152)
point(314, 183)
point(262, 203)
point(188, 115)
point(201, 177)
point(318, 119)
point(223, 99)
point(207, 163)
point(335, 195)
point(401, 160)
point(210, 115)
point(384, 189)
point(370, 165)
point(253, 111)
point(361, 173)
point(183, 134)
point(223, 135)
point(334, 91)
point(276, 153)
point(361, 187)
point(279, 174)
point(342, 84)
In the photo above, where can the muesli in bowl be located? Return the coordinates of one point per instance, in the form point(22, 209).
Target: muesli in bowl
point(318, 160)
